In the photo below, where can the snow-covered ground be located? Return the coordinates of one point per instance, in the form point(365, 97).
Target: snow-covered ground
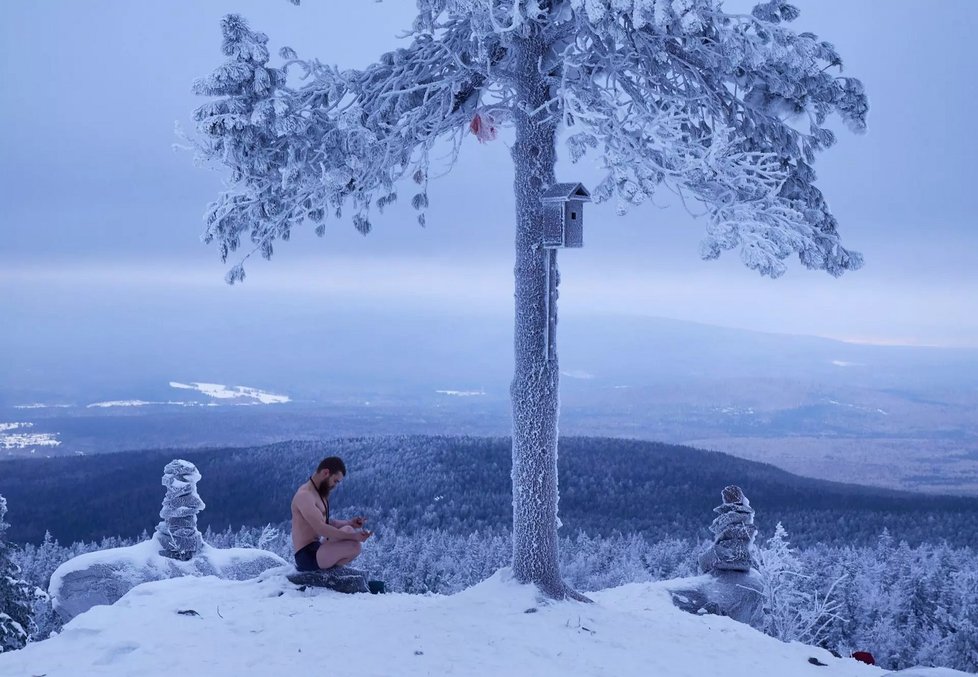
point(268, 626)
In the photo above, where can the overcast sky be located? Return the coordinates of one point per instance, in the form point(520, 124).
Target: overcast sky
point(95, 204)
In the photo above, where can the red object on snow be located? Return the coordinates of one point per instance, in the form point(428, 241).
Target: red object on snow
point(484, 127)
point(864, 657)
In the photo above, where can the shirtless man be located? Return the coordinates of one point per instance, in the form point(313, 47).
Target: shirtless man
point(311, 522)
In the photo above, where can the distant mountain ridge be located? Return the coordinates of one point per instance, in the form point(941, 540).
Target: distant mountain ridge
point(463, 483)
point(342, 353)
point(901, 417)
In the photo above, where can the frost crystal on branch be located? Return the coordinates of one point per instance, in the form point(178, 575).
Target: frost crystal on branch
point(711, 104)
point(728, 110)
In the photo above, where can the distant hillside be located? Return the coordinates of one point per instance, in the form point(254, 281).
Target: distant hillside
point(449, 352)
point(891, 416)
point(463, 483)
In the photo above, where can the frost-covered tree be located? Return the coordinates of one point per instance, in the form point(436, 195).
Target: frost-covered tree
point(728, 110)
point(794, 610)
point(178, 533)
point(17, 596)
point(962, 652)
point(37, 563)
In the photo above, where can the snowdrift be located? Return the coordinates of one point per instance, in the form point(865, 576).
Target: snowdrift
point(267, 626)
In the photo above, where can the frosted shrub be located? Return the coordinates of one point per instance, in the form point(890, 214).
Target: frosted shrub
point(794, 610)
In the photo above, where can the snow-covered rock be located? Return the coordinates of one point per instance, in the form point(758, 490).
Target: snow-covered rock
point(733, 532)
point(178, 531)
point(731, 585)
point(176, 549)
point(104, 576)
point(341, 579)
point(735, 594)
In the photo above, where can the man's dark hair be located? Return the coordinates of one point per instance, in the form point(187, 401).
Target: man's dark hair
point(334, 464)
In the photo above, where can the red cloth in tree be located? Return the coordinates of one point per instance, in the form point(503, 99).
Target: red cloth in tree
point(484, 127)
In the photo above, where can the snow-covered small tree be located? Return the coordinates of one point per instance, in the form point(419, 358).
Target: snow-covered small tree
point(37, 563)
point(17, 596)
point(962, 650)
point(793, 609)
point(178, 533)
point(268, 536)
point(963, 646)
point(728, 110)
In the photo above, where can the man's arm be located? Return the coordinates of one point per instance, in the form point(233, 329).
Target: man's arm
point(356, 522)
point(306, 504)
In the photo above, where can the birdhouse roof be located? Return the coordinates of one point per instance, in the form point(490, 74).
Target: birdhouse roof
point(562, 192)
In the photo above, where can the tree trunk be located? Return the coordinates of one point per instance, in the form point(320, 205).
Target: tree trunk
point(534, 390)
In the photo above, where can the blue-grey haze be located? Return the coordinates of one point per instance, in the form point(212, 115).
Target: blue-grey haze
point(100, 217)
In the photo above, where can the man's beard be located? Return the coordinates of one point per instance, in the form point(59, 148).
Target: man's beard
point(322, 489)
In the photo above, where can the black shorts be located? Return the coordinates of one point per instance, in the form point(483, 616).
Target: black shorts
point(305, 558)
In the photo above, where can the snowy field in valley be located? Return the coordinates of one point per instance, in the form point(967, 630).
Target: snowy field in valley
point(17, 435)
point(268, 626)
point(215, 391)
point(223, 392)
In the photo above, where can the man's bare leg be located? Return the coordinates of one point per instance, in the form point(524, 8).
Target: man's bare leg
point(337, 553)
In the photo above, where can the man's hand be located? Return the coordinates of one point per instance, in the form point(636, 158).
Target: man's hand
point(361, 536)
point(358, 522)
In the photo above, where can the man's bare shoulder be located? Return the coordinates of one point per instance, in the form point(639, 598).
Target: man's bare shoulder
point(302, 493)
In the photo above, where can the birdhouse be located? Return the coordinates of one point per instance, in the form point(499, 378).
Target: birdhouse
point(563, 214)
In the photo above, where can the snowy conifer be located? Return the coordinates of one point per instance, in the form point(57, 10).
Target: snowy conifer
point(726, 109)
point(178, 533)
point(962, 651)
point(793, 609)
point(17, 596)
